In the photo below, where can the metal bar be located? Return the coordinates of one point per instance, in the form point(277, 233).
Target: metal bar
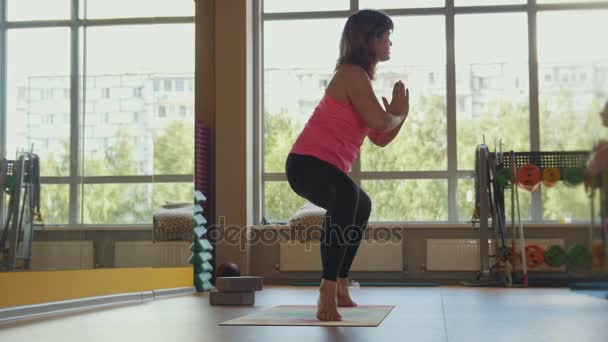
point(14, 25)
point(137, 21)
point(16, 214)
point(405, 175)
point(465, 174)
point(347, 13)
point(572, 6)
point(355, 171)
point(118, 179)
point(451, 112)
point(28, 227)
point(370, 175)
point(306, 15)
point(98, 22)
point(258, 154)
point(3, 94)
point(484, 210)
point(534, 121)
point(68, 306)
point(490, 9)
point(74, 111)
point(435, 10)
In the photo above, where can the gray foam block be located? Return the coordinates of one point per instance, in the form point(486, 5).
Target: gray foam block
point(239, 284)
point(231, 298)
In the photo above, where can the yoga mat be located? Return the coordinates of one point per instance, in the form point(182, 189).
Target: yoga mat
point(372, 284)
point(304, 315)
point(597, 294)
point(597, 285)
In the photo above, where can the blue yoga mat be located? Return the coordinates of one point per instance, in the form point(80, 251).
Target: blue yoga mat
point(595, 285)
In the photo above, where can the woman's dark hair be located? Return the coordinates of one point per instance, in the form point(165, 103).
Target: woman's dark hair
point(357, 42)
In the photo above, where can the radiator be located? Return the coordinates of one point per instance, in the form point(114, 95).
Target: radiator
point(452, 255)
point(149, 254)
point(62, 255)
point(372, 255)
point(463, 254)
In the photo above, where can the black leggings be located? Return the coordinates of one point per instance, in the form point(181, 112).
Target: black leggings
point(348, 209)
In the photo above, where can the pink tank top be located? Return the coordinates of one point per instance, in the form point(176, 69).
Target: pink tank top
point(334, 133)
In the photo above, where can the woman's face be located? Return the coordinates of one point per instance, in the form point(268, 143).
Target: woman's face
point(605, 115)
point(383, 47)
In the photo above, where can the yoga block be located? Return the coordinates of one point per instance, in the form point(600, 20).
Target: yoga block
point(239, 284)
point(231, 298)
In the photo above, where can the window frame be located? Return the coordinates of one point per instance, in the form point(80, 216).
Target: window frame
point(76, 181)
point(449, 11)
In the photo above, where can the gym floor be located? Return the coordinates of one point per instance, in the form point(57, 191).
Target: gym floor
point(421, 314)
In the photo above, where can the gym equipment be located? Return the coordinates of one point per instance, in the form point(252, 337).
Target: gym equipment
point(598, 255)
point(574, 176)
point(528, 177)
point(522, 241)
point(535, 256)
point(595, 256)
point(20, 179)
point(489, 197)
point(239, 284)
point(235, 290)
point(201, 248)
point(555, 256)
point(503, 177)
point(489, 214)
point(579, 256)
point(551, 176)
point(228, 269)
point(202, 279)
point(231, 298)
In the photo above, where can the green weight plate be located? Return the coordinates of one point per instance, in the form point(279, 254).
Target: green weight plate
point(555, 256)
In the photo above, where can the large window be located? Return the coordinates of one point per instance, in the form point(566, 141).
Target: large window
point(573, 86)
point(474, 52)
point(103, 92)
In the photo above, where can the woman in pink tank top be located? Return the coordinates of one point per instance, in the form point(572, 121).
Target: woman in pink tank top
point(318, 164)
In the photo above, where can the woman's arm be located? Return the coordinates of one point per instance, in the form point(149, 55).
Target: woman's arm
point(364, 100)
point(598, 161)
point(384, 138)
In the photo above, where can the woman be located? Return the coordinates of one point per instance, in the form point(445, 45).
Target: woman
point(598, 161)
point(323, 153)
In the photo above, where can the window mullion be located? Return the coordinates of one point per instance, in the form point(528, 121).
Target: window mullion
point(74, 114)
point(3, 94)
point(537, 207)
point(451, 112)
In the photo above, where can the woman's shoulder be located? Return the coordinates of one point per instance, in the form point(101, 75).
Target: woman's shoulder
point(350, 75)
point(352, 70)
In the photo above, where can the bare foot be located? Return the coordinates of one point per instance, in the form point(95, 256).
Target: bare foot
point(344, 299)
point(327, 309)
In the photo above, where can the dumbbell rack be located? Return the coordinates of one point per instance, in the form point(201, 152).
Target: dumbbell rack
point(487, 165)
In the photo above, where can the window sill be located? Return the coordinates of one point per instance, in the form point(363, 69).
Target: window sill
point(444, 225)
point(105, 228)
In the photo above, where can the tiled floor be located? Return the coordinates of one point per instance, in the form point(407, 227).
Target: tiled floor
point(421, 314)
